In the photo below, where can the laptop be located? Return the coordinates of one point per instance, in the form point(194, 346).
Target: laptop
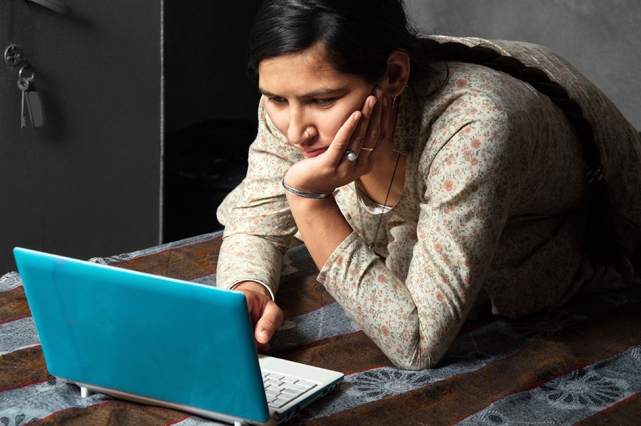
point(161, 341)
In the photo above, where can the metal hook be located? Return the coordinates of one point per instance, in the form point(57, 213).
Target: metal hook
point(13, 56)
point(29, 79)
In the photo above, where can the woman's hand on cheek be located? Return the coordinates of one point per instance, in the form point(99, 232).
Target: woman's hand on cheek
point(361, 133)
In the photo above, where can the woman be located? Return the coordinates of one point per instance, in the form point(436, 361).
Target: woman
point(431, 179)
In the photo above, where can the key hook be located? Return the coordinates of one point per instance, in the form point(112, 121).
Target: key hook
point(29, 79)
point(13, 56)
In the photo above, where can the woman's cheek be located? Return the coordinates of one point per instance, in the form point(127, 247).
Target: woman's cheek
point(335, 125)
point(336, 120)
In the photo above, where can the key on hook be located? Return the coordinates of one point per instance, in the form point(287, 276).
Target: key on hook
point(23, 85)
point(34, 105)
point(30, 99)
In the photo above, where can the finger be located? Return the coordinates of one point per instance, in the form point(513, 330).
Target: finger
point(252, 305)
point(384, 129)
point(359, 135)
point(350, 137)
point(374, 126)
point(266, 326)
point(341, 141)
point(262, 347)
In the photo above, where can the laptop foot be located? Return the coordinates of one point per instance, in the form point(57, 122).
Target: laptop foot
point(85, 393)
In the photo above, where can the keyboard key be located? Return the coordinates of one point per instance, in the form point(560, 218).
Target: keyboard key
point(295, 386)
point(287, 397)
point(280, 402)
point(281, 389)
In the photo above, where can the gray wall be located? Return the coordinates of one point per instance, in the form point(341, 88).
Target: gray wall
point(88, 183)
point(602, 38)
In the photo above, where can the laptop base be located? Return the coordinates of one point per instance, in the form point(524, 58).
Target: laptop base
point(86, 390)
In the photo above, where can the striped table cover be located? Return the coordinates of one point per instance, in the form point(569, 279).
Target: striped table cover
point(580, 364)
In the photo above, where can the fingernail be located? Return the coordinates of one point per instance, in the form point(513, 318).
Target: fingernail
point(378, 92)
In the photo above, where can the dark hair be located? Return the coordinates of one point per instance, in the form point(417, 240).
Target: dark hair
point(359, 35)
point(344, 27)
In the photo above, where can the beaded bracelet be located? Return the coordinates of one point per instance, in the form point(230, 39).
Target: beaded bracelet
point(302, 193)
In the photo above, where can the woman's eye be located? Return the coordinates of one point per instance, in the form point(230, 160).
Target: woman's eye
point(277, 100)
point(324, 102)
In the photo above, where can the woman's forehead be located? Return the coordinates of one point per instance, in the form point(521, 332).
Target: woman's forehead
point(314, 58)
point(305, 72)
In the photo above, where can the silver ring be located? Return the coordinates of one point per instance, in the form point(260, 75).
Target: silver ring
point(307, 133)
point(351, 155)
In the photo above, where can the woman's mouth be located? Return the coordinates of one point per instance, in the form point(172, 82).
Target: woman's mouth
point(311, 153)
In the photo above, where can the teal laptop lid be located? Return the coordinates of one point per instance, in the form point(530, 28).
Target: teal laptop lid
point(153, 336)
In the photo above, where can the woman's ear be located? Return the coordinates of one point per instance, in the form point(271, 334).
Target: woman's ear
point(398, 73)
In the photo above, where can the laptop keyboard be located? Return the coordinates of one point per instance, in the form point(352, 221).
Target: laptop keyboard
point(281, 389)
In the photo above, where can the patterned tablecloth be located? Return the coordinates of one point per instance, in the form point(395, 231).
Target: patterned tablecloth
point(577, 364)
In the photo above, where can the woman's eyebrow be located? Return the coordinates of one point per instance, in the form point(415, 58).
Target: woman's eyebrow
point(314, 94)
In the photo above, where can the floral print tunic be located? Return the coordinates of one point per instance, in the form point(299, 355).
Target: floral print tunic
point(492, 207)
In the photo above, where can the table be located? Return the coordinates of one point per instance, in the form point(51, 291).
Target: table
point(579, 363)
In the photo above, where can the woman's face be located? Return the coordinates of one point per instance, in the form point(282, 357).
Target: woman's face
point(307, 99)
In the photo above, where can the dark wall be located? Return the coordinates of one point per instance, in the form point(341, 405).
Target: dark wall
point(205, 47)
point(205, 56)
point(601, 38)
point(88, 182)
point(210, 110)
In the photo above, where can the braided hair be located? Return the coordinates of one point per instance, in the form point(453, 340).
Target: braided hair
point(601, 238)
point(358, 40)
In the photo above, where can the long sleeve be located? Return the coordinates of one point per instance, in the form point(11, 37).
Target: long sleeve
point(413, 305)
point(258, 223)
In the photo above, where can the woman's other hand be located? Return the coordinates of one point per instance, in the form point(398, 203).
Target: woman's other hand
point(265, 315)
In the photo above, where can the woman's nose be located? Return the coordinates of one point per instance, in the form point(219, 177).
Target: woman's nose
point(296, 137)
point(297, 131)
